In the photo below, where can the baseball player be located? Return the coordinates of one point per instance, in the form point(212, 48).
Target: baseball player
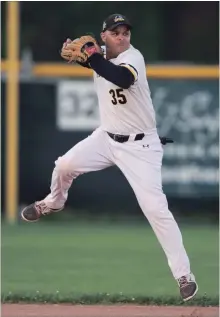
point(127, 137)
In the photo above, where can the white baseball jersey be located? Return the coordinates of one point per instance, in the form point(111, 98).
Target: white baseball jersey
point(126, 111)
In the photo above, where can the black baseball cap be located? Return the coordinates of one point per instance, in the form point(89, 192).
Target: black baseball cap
point(114, 20)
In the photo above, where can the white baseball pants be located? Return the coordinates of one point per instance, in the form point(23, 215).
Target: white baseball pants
point(140, 162)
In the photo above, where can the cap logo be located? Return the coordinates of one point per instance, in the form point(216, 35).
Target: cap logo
point(118, 18)
point(104, 25)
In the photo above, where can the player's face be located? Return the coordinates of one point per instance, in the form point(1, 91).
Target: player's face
point(117, 40)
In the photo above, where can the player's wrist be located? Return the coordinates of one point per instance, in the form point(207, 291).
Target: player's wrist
point(90, 49)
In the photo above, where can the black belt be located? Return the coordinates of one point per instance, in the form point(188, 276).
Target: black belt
point(124, 138)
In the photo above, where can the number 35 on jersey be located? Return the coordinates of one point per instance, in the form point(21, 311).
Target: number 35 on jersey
point(117, 96)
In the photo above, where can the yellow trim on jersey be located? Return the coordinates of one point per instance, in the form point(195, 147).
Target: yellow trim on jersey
point(134, 73)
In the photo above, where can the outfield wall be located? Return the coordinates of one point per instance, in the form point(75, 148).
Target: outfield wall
point(57, 112)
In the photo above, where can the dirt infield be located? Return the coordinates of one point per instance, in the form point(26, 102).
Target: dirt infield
point(46, 310)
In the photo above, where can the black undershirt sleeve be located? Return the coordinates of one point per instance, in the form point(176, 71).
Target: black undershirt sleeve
point(118, 75)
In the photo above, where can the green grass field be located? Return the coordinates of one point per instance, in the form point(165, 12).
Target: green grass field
point(95, 258)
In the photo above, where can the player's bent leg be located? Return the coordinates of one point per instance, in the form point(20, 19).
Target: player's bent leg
point(34, 211)
point(91, 154)
point(54, 202)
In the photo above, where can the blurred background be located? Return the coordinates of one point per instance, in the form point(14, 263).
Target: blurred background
point(49, 106)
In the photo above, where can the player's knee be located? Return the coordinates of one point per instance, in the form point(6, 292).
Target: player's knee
point(63, 166)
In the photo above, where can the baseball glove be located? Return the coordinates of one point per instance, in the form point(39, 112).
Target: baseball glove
point(80, 49)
